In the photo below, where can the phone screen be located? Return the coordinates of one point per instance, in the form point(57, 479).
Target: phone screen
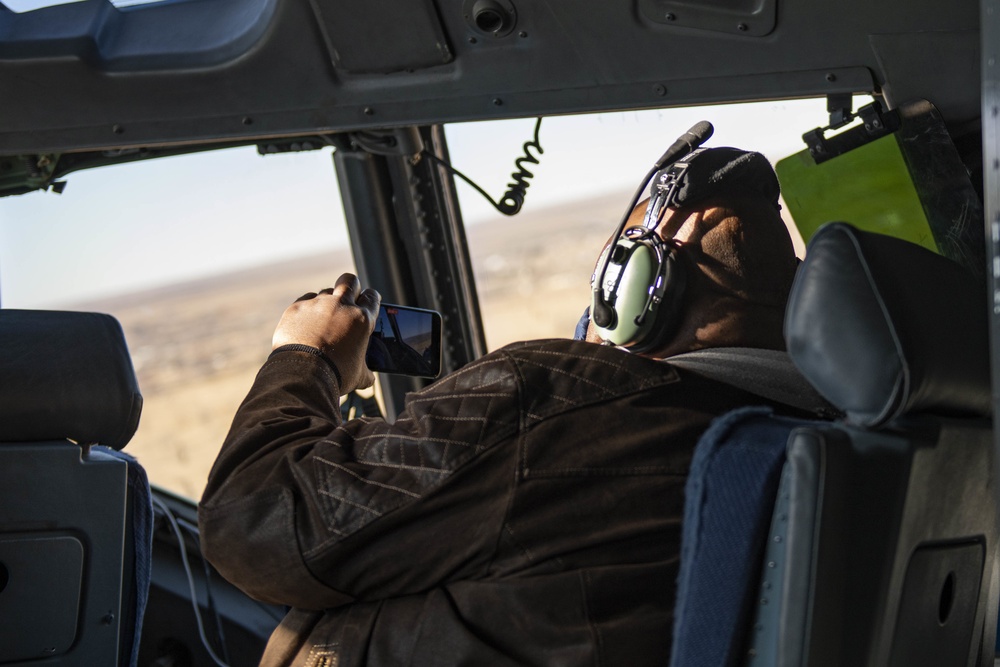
point(406, 341)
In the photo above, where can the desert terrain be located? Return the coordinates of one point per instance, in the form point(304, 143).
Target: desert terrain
point(197, 346)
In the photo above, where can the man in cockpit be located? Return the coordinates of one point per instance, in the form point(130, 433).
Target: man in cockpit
point(526, 509)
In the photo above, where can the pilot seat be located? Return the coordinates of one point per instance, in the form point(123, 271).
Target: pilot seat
point(74, 511)
point(868, 540)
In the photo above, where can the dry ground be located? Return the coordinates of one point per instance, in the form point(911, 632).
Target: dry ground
point(197, 346)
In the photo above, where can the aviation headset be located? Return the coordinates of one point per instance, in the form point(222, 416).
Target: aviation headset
point(638, 285)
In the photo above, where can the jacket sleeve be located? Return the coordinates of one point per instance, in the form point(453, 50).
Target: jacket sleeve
point(303, 510)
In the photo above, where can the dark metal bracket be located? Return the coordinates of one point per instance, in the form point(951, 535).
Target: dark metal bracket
point(876, 123)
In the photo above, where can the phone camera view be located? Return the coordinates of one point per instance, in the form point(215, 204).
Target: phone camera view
point(406, 341)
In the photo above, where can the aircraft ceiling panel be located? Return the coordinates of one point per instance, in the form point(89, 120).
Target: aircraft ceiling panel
point(89, 76)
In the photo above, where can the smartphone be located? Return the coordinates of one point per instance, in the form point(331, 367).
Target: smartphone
point(406, 341)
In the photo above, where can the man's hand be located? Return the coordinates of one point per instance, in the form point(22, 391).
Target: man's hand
point(338, 321)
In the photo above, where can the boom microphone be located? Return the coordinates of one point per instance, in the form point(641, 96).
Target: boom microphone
point(686, 143)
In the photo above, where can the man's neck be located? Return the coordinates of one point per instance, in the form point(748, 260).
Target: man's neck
point(728, 323)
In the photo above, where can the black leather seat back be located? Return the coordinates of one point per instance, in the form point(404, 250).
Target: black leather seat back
point(66, 383)
point(887, 537)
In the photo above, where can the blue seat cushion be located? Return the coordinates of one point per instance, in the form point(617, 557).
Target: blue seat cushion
point(729, 499)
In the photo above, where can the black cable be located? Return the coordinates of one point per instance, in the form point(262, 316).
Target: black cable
point(513, 199)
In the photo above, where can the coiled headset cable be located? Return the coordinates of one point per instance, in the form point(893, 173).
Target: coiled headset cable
point(513, 199)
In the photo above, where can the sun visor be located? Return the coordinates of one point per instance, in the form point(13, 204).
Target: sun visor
point(910, 184)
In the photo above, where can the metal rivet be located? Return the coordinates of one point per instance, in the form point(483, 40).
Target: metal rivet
point(473, 40)
point(831, 77)
point(743, 27)
point(670, 16)
point(497, 101)
point(522, 34)
point(659, 89)
point(117, 129)
point(369, 111)
point(247, 120)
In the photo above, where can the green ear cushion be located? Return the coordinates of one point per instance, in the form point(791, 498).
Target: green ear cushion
point(638, 273)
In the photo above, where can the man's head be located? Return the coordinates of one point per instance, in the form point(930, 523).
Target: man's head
point(735, 255)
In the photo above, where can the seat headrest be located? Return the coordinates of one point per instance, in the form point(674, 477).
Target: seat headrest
point(66, 375)
point(883, 327)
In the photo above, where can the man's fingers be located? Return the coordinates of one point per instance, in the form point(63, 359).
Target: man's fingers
point(338, 321)
point(369, 301)
point(347, 287)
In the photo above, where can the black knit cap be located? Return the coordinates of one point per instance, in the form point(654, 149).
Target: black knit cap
point(721, 171)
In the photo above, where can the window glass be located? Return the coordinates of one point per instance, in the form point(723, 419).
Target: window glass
point(197, 256)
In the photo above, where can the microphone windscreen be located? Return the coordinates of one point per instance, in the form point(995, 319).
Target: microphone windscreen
point(686, 143)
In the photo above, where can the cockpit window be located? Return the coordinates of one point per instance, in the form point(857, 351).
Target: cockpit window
point(197, 256)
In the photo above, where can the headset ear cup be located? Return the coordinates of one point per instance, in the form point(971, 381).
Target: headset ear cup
point(630, 269)
point(638, 268)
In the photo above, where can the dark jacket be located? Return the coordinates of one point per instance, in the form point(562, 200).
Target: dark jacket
point(524, 510)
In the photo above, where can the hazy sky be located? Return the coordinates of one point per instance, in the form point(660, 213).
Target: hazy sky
point(120, 229)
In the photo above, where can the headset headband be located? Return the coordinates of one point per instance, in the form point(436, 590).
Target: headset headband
point(665, 188)
point(709, 172)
